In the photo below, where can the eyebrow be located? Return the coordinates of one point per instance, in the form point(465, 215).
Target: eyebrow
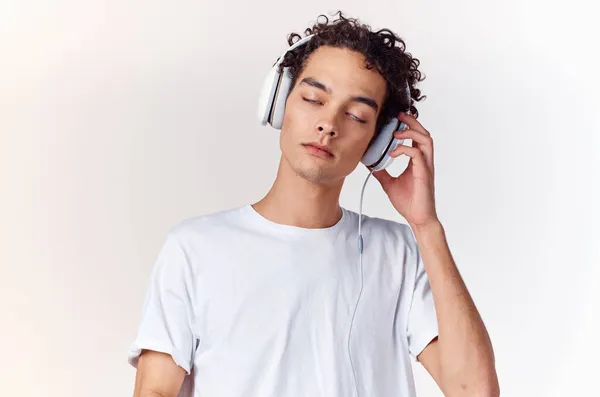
point(362, 99)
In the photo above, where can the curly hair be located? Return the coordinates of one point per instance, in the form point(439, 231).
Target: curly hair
point(383, 50)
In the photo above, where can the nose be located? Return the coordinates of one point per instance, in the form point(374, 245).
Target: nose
point(323, 130)
point(327, 121)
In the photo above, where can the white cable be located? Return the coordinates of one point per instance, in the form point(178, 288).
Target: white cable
point(360, 251)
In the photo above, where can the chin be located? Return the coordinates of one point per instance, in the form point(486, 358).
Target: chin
point(314, 169)
point(322, 175)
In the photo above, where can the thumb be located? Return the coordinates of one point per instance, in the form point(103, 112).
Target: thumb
point(383, 177)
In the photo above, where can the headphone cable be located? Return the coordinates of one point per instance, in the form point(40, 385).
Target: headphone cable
point(360, 252)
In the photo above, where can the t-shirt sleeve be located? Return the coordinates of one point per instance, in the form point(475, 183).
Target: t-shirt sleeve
point(422, 325)
point(167, 313)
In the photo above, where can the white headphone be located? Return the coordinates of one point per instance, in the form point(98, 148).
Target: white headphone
point(271, 108)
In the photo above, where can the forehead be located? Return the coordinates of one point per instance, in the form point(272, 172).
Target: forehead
point(345, 72)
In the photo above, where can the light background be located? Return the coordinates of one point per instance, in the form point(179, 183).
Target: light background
point(119, 119)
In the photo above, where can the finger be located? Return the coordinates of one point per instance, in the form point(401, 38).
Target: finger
point(412, 123)
point(420, 141)
point(419, 137)
point(412, 152)
point(416, 157)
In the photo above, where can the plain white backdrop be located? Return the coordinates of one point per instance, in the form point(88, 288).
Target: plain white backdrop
point(119, 119)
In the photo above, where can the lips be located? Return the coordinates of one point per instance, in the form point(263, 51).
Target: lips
point(319, 150)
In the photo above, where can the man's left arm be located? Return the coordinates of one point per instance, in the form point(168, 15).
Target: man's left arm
point(461, 358)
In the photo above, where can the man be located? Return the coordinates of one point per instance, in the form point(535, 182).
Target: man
point(268, 299)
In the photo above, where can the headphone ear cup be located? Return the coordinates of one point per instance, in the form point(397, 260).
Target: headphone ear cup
point(275, 90)
point(281, 94)
point(387, 160)
point(267, 94)
point(377, 154)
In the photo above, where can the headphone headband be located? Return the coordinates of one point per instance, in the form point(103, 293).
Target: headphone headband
point(297, 44)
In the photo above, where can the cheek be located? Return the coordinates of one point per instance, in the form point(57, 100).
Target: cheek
point(360, 141)
point(296, 113)
point(297, 123)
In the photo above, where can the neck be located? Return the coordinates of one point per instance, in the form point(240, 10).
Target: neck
point(293, 200)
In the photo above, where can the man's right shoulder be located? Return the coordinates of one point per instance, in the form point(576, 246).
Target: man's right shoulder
point(209, 223)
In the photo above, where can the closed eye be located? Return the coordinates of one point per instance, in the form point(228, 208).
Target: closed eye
point(320, 103)
point(312, 101)
point(356, 118)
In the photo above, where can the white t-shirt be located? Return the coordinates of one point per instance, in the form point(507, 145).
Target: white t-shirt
point(252, 308)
